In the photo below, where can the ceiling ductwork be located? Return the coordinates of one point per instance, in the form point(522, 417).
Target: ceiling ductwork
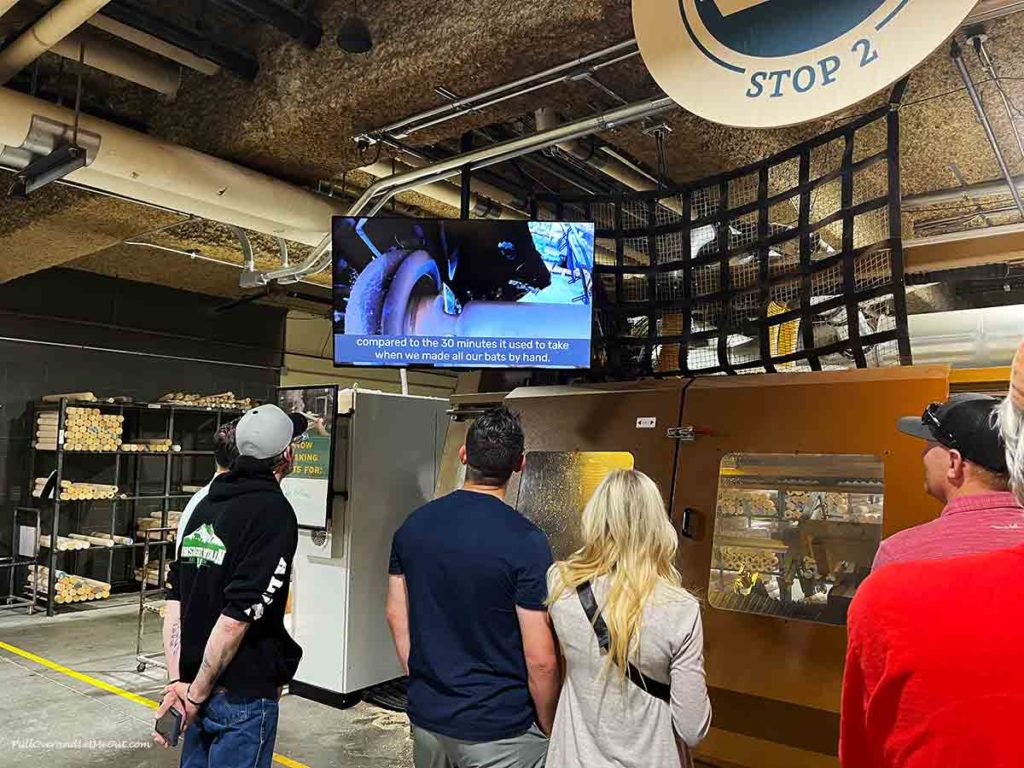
point(59, 22)
point(143, 168)
point(377, 195)
point(154, 44)
point(121, 61)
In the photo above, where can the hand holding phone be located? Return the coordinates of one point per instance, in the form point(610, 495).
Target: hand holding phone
point(169, 726)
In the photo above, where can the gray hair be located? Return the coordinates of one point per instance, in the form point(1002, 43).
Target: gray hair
point(1011, 424)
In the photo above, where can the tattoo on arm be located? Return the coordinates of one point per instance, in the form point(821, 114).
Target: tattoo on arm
point(176, 638)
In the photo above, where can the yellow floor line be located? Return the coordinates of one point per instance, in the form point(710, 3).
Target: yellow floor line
point(109, 688)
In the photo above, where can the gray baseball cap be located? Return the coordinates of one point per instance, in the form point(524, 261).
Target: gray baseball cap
point(265, 431)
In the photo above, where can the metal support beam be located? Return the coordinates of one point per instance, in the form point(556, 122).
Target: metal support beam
point(957, 53)
point(299, 25)
point(134, 14)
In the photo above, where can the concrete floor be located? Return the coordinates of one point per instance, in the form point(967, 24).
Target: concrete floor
point(48, 718)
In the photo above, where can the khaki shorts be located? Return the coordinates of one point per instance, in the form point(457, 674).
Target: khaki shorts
point(432, 750)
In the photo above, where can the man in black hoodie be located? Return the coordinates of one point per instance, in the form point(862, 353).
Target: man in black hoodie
point(230, 655)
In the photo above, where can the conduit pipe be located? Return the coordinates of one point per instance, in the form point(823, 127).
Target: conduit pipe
point(609, 165)
point(491, 198)
point(119, 60)
point(481, 206)
point(972, 91)
point(153, 171)
point(384, 189)
point(959, 194)
point(60, 21)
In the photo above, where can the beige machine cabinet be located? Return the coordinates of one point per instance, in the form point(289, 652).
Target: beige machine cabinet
point(789, 485)
point(386, 454)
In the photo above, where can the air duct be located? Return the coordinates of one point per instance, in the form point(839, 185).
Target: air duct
point(119, 60)
point(60, 21)
point(147, 169)
point(154, 44)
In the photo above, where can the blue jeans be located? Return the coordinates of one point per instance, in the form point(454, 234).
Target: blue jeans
point(231, 732)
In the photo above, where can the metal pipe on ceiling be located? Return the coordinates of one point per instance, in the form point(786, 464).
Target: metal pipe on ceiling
point(579, 68)
point(551, 76)
point(986, 10)
point(957, 53)
point(158, 172)
point(978, 42)
point(982, 189)
point(127, 63)
point(607, 163)
point(154, 44)
point(319, 259)
point(481, 205)
point(56, 24)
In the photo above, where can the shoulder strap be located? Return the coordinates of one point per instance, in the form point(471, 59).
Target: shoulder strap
point(655, 688)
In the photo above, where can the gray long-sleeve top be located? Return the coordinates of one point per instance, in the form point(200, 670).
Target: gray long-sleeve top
point(606, 720)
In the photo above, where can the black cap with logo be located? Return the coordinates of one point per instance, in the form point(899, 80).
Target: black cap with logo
point(964, 423)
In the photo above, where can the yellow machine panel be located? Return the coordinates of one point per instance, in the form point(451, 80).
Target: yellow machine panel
point(781, 487)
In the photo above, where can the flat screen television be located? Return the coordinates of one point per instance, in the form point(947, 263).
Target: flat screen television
point(465, 294)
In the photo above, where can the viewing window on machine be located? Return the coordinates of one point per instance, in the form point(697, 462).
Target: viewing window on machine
point(555, 487)
point(795, 535)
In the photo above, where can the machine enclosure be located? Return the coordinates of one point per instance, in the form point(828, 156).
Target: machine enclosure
point(386, 453)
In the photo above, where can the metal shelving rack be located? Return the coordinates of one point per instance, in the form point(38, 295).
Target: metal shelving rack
point(51, 556)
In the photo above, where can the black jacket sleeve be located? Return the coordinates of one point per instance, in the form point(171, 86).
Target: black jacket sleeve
point(260, 572)
point(171, 589)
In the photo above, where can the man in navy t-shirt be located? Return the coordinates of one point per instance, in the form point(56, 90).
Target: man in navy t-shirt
point(466, 606)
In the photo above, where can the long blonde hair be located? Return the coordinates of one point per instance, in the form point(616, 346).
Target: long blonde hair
point(628, 537)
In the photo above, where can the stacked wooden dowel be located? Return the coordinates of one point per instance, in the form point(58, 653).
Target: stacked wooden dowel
point(112, 537)
point(223, 400)
point(85, 429)
point(155, 520)
point(64, 543)
point(152, 574)
point(71, 491)
point(150, 445)
point(68, 588)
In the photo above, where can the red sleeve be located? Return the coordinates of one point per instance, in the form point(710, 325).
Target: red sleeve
point(853, 737)
point(857, 746)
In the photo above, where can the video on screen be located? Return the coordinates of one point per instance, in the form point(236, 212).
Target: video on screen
point(466, 294)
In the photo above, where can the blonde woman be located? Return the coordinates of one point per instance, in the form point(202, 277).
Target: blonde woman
point(634, 692)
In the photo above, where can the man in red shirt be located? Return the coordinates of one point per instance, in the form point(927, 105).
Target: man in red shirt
point(933, 677)
point(965, 468)
point(933, 673)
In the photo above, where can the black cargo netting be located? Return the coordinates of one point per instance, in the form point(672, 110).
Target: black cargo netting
point(809, 276)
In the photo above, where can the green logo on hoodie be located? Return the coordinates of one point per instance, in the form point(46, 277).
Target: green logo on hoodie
point(203, 546)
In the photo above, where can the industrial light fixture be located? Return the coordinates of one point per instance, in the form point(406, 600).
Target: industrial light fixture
point(354, 36)
point(51, 167)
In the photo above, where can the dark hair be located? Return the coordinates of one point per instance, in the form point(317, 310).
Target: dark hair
point(249, 465)
point(224, 449)
point(494, 447)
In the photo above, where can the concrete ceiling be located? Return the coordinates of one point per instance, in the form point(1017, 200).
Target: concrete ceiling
point(297, 118)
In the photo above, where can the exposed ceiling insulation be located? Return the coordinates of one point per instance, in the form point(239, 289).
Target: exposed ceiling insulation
point(297, 118)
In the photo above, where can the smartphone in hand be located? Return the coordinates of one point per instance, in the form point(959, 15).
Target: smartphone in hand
point(169, 726)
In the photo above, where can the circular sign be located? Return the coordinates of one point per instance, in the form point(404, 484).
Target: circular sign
point(770, 63)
